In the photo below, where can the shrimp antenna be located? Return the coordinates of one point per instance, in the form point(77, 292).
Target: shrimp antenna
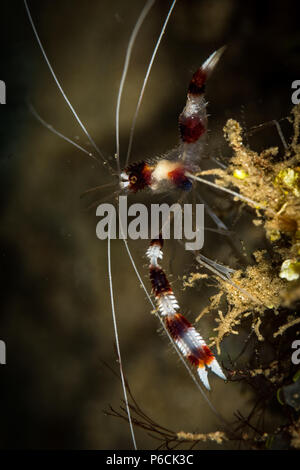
point(145, 82)
point(117, 341)
point(132, 39)
point(226, 190)
point(59, 134)
point(59, 85)
point(219, 223)
point(96, 188)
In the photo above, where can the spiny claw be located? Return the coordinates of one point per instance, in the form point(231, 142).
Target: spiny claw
point(210, 63)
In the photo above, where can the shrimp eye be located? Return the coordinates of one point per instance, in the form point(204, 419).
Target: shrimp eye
point(133, 179)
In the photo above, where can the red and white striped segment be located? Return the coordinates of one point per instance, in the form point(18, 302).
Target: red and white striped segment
point(193, 347)
point(193, 119)
point(186, 337)
point(158, 175)
point(164, 173)
point(164, 296)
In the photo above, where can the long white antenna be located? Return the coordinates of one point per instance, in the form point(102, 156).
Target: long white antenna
point(59, 85)
point(117, 340)
point(145, 82)
point(59, 134)
point(132, 39)
point(233, 193)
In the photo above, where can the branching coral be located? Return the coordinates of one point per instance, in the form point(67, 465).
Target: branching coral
point(261, 299)
point(264, 297)
point(275, 186)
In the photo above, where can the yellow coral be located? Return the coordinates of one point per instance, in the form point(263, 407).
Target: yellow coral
point(240, 174)
point(290, 270)
point(289, 178)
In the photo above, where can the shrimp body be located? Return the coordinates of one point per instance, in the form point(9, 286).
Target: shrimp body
point(193, 130)
point(189, 342)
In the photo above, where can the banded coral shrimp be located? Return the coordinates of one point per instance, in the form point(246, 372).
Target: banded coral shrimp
point(178, 383)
